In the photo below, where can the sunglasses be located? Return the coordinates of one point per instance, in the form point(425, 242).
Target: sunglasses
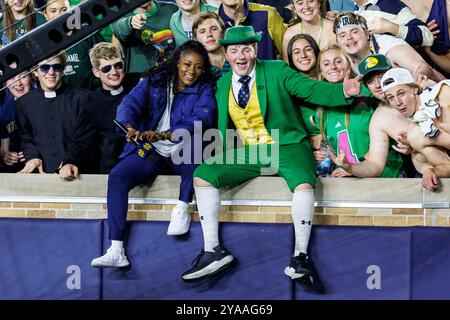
point(57, 67)
point(118, 66)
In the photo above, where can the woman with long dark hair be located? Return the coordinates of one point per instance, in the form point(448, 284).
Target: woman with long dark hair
point(175, 99)
point(303, 53)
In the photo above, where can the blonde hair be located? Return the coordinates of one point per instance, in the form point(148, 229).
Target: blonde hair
point(338, 49)
point(104, 50)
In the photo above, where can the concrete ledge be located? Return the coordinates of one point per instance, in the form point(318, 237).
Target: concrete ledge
point(345, 201)
point(350, 192)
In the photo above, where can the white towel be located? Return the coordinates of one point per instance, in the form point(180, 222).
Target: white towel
point(429, 109)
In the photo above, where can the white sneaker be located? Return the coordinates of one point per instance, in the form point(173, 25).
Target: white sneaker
point(180, 221)
point(113, 258)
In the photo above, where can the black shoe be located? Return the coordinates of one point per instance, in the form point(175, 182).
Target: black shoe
point(208, 264)
point(301, 268)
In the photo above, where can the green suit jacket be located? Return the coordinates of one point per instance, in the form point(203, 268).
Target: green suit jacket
point(276, 84)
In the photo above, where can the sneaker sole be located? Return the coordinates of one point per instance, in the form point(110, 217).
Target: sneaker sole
point(101, 265)
point(179, 233)
point(210, 270)
point(290, 272)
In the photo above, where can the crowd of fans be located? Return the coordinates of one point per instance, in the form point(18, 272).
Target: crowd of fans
point(301, 32)
point(154, 70)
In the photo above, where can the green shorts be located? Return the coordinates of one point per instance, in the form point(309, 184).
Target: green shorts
point(294, 162)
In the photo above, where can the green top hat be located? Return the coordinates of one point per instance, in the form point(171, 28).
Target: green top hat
point(374, 62)
point(240, 34)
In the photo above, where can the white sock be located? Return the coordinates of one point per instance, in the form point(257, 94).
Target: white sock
point(302, 215)
point(182, 205)
point(117, 244)
point(208, 203)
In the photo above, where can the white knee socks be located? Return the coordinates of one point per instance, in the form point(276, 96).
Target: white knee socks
point(208, 203)
point(302, 215)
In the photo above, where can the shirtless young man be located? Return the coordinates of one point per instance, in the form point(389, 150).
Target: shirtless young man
point(429, 155)
point(430, 139)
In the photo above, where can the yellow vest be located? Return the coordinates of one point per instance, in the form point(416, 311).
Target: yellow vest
point(249, 121)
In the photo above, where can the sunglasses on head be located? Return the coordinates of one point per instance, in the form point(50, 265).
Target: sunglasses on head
point(57, 67)
point(118, 66)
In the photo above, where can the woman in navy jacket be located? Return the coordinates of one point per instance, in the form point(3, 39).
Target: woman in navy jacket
point(175, 99)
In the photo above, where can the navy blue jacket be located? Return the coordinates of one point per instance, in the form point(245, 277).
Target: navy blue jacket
point(144, 106)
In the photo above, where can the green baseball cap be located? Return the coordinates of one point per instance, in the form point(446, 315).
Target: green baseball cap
point(240, 34)
point(374, 62)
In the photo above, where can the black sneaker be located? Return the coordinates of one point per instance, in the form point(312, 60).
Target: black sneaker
point(208, 264)
point(301, 268)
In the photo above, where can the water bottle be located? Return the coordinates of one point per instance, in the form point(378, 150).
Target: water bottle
point(325, 167)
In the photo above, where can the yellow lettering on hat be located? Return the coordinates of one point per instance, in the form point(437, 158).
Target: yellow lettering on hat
point(371, 62)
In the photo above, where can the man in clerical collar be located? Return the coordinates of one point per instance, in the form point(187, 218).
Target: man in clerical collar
point(109, 67)
point(49, 75)
point(49, 119)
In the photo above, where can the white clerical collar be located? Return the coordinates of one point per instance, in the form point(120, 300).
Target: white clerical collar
point(117, 91)
point(50, 94)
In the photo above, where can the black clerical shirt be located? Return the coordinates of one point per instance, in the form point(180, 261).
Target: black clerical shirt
point(47, 127)
point(101, 112)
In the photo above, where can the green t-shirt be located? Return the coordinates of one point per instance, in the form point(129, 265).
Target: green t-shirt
point(347, 128)
point(152, 44)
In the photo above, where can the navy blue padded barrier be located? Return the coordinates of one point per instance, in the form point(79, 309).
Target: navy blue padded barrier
point(360, 263)
point(49, 258)
point(431, 263)
point(158, 261)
